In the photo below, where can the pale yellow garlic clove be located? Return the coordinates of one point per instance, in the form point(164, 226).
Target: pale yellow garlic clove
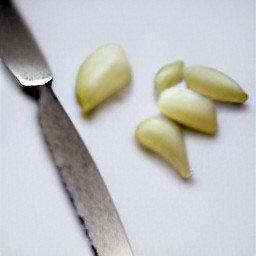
point(189, 109)
point(214, 84)
point(168, 76)
point(165, 138)
point(104, 73)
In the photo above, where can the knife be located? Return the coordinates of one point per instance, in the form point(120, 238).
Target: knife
point(79, 174)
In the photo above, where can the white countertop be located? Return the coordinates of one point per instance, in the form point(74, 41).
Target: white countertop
point(214, 213)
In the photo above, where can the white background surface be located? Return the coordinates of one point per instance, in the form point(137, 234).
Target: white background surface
point(214, 213)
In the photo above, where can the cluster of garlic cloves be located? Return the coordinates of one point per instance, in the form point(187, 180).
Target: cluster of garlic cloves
point(191, 106)
point(107, 71)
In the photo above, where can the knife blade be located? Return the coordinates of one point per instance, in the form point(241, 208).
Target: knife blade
point(79, 174)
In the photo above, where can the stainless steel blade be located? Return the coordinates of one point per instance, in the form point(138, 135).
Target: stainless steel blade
point(82, 179)
point(77, 169)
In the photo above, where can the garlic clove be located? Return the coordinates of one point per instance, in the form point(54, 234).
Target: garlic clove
point(105, 72)
point(214, 84)
point(165, 138)
point(168, 76)
point(189, 108)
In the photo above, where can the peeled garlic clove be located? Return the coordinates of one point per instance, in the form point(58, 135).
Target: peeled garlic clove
point(189, 108)
point(168, 76)
point(214, 84)
point(165, 138)
point(105, 72)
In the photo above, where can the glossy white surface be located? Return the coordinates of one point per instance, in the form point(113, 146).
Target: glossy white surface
point(214, 213)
